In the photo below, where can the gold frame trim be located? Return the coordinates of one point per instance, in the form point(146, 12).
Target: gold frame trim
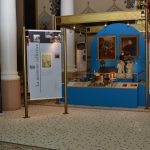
point(95, 29)
point(99, 17)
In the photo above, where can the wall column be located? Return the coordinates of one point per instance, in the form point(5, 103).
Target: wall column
point(67, 8)
point(11, 99)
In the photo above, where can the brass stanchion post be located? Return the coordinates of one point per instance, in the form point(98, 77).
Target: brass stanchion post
point(86, 50)
point(147, 56)
point(25, 75)
point(65, 71)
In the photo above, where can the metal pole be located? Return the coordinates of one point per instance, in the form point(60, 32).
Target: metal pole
point(86, 41)
point(54, 18)
point(1, 110)
point(147, 56)
point(65, 71)
point(25, 75)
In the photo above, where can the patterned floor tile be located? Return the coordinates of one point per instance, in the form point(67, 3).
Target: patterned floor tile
point(81, 129)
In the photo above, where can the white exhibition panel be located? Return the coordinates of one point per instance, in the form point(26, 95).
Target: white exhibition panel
point(44, 65)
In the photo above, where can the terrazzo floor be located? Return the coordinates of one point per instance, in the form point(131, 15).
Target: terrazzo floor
point(81, 129)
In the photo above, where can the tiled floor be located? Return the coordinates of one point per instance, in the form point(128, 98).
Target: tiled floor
point(81, 129)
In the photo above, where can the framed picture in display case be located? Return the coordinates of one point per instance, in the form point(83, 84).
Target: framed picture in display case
point(129, 45)
point(106, 47)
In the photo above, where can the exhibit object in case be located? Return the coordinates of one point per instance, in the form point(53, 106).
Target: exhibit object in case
point(81, 56)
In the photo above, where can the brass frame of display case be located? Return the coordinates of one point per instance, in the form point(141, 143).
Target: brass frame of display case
point(99, 17)
point(93, 22)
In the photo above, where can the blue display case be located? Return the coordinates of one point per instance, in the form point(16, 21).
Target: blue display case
point(83, 91)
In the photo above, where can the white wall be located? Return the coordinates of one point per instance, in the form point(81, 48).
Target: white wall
point(81, 5)
point(97, 5)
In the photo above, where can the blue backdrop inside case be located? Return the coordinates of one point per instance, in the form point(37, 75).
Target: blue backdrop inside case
point(120, 29)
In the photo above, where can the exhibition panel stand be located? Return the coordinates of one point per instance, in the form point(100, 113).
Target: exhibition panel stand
point(42, 66)
point(126, 89)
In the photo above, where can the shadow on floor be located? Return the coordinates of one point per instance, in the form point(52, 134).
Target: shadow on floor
point(13, 146)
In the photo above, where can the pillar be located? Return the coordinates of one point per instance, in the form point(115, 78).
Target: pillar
point(67, 8)
point(8, 44)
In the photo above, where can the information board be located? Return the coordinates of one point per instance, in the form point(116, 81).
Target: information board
point(44, 64)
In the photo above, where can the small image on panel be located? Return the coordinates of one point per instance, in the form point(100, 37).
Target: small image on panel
point(57, 55)
point(36, 38)
point(46, 60)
